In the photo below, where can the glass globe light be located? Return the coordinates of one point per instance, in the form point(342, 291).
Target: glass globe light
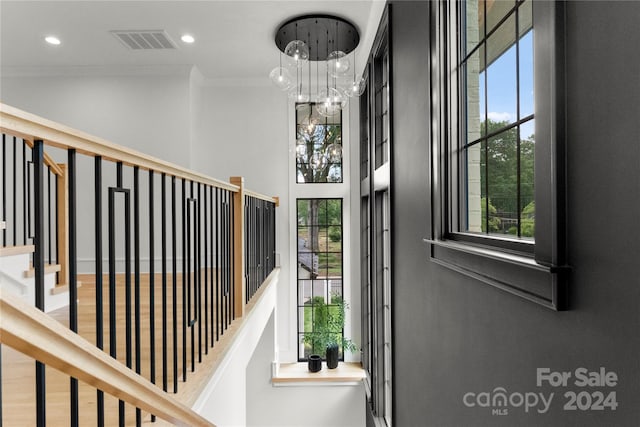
point(334, 153)
point(330, 102)
point(356, 87)
point(298, 51)
point(309, 124)
point(338, 64)
point(298, 96)
point(281, 78)
point(318, 161)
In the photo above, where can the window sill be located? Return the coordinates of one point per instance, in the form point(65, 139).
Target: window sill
point(517, 274)
point(297, 374)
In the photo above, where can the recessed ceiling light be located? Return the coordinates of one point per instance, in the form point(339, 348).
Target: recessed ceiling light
point(187, 38)
point(52, 40)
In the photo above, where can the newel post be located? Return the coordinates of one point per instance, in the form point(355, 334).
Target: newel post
point(62, 218)
point(239, 288)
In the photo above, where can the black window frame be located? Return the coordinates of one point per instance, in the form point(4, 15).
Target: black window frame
point(300, 333)
point(312, 106)
point(376, 127)
point(536, 271)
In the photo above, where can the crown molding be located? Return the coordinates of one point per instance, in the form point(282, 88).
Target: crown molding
point(97, 70)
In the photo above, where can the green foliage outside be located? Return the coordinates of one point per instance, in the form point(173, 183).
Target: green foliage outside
point(499, 176)
point(316, 140)
point(527, 220)
point(494, 221)
point(335, 235)
point(319, 224)
point(329, 212)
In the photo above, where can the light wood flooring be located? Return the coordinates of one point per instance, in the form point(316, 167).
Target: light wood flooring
point(18, 371)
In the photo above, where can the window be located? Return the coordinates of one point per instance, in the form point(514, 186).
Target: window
point(318, 145)
point(375, 236)
point(498, 147)
point(320, 239)
point(320, 274)
point(497, 121)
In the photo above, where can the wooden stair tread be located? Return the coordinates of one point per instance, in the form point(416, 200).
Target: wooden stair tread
point(48, 269)
point(16, 250)
point(58, 289)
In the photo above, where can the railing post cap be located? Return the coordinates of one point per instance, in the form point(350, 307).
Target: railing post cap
point(237, 180)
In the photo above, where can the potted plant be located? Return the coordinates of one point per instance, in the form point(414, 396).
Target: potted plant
point(327, 325)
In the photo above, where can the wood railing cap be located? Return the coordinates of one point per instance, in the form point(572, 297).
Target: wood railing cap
point(34, 333)
point(31, 127)
point(262, 197)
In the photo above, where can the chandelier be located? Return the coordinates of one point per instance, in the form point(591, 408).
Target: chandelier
point(318, 44)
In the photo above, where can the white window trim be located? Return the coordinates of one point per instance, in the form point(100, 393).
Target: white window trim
point(311, 191)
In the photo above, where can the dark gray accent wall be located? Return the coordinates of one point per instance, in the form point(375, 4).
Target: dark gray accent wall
point(453, 334)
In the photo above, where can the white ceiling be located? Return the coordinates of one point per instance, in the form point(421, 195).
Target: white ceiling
point(234, 39)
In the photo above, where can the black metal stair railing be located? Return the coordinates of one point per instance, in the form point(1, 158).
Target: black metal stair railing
point(17, 198)
point(184, 219)
point(260, 249)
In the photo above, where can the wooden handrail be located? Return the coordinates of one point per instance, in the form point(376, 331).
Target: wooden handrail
point(39, 336)
point(250, 193)
point(30, 127)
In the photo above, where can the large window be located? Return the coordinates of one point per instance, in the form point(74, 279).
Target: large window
point(318, 145)
point(497, 120)
point(498, 145)
point(320, 272)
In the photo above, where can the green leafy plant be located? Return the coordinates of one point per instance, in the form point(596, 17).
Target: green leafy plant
point(327, 324)
point(527, 220)
point(494, 221)
point(334, 234)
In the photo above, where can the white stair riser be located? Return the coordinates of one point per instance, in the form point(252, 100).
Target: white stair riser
point(14, 267)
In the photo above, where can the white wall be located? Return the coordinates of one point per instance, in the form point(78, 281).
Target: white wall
point(243, 132)
point(299, 406)
point(241, 394)
point(149, 113)
point(224, 400)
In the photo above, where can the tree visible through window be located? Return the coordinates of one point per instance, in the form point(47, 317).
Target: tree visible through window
point(499, 180)
point(320, 287)
point(497, 130)
point(318, 145)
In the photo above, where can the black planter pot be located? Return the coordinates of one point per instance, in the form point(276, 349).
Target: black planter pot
point(315, 363)
point(332, 356)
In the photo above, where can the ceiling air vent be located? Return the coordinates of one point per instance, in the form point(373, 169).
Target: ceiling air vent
point(145, 40)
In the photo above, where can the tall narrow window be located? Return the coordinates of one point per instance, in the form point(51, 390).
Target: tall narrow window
point(381, 106)
point(318, 145)
point(375, 241)
point(383, 304)
point(365, 279)
point(320, 277)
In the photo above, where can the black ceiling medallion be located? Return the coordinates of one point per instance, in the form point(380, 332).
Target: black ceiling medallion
point(329, 43)
point(322, 34)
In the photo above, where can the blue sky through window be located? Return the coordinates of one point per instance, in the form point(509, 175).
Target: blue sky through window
point(501, 85)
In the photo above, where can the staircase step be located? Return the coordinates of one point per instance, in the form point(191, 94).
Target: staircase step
point(48, 269)
point(58, 289)
point(16, 250)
